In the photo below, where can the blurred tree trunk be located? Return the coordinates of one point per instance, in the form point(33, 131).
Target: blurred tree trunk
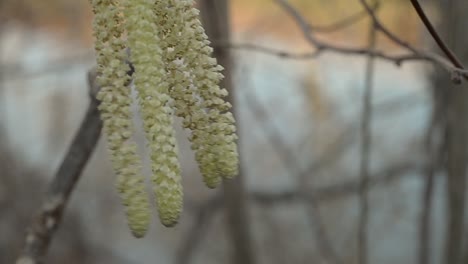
point(215, 18)
point(454, 99)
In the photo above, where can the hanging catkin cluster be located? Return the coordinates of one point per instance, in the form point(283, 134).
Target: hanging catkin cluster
point(174, 74)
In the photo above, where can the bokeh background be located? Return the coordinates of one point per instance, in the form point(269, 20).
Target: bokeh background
point(300, 129)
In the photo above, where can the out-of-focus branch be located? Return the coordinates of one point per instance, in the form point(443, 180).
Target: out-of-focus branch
point(452, 65)
point(215, 17)
point(325, 194)
point(207, 209)
point(343, 23)
point(289, 160)
point(284, 54)
point(434, 150)
point(453, 26)
point(333, 27)
point(41, 231)
point(413, 54)
point(198, 230)
point(366, 143)
point(339, 190)
point(386, 32)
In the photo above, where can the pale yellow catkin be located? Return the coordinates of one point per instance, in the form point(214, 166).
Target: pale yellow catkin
point(174, 74)
point(207, 78)
point(154, 100)
point(194, 77)
point(116, 114)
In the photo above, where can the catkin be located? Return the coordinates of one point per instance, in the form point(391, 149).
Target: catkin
point(116, 113)
point(174, 75)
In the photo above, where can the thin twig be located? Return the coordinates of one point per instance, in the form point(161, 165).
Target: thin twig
point(41, 231)
point(343, 23)
point(283, 54)
point(380, 27)
point(366, 143)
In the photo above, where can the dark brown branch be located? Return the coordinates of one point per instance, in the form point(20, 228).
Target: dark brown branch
point(445, 49)
point(41, 231)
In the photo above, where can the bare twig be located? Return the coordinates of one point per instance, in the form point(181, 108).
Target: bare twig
point(343, 23)
point(41, 231)
point(380, 27)
point(366, 143)
point(413, 55)
point(266, 50)
point(452, 65)
point(445, 49)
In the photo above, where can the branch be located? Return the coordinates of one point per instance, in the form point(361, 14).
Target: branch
point(265, 50)
point(413, 55)
point(216, 20)
point(335, 26)
point(344, 189)
point(380, 27)
point(366, 143)
point(445, 49)
point(290, 162)
point(329, 193)
point(339, 190)
point(41, 231)
point(198, 230)
point(343, 23)
point(434, 152)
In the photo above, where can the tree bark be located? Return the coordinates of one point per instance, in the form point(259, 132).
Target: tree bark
point(215, 18)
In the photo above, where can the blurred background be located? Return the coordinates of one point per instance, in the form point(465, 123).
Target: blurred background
point(301, 141)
